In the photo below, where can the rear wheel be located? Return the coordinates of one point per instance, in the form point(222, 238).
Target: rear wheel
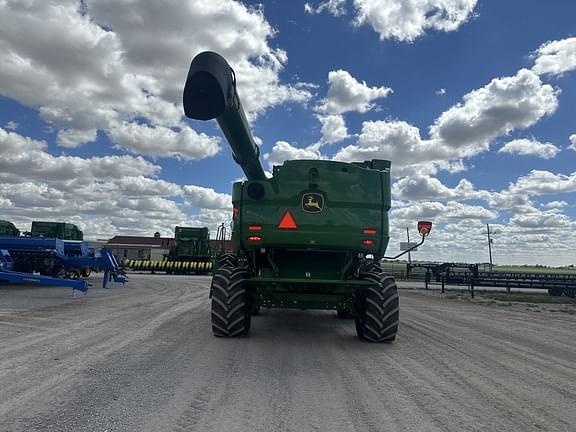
point(378, 308)
point(570, 292)
point(230, 302)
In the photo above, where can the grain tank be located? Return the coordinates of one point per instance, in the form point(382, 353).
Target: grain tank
point(309, 237)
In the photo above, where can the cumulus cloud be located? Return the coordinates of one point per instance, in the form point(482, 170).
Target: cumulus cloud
point(556, 57)
point(539, 182)
point(406, 20)
point(438, 211)
point(283, 151)
point(333, 129)
point(503, 105)
point(541, 220)
point(420, 187)
point(345, 93)
point(104, 195)
point(465, 130)
point(207, 198)
point(395, 140)
point(105, 66)
point(441, 91)
point(555, 204)
point(572, 145)
point(184, 143)
point(11, 125)
point(530, 147)
point(333, 7)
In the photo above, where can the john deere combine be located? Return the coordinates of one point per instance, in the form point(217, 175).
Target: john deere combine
point(310, 237)
point(8, 229)
point(190, 254)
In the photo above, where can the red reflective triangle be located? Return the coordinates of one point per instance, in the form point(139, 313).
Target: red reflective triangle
point(287, 221)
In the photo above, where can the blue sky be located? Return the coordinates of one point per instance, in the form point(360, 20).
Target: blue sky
point(473, 101)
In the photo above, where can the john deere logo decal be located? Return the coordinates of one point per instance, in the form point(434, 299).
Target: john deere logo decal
point(312, 202)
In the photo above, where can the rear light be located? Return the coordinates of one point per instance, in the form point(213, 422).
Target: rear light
point(254, 227)
point(235, 213)
point(370, 231)
point(424, 228)
point(254, 238)
point(368, 242)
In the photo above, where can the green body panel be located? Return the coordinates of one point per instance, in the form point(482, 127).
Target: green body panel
point(192, 244)
point(313, 265)
point(60, 230)
point(355, 198)
point(8, 229)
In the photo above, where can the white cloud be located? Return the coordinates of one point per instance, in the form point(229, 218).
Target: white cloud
point(125, 61)
point(333, 7)
point(333, 129)
point(438, 211)
point(11, 125)
point(556, 57)
point(465, 130)
point(207, 198)
point(572, 145)
point(555, 204)
point(395, 140)
point(345, 93)
point(540, 182)
point(140, 186)
point(162, 141)
point(75, 138)
point(406, 20)
point(283, 151)
point(441, 91)
point(421, 187)
point(505, 104)
point(541, 220)
point(530, 147)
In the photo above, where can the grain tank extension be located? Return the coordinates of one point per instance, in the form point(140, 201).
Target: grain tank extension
point(310, 237)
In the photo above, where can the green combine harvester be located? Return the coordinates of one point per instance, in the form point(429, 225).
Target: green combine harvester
point(59, 230)
point(310, 237)
point(191, 254)
point(8, 229)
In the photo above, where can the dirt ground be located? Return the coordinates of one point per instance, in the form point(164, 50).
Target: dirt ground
point(142, 358)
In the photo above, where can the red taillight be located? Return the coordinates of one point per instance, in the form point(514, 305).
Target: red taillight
point(254, 227)
point(254, 238)
point(424, 228)
point(287, 221)
point(368, 242)
point(370, 231)
point(235, 213)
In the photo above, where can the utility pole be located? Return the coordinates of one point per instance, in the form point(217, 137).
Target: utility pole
point(489, 244)
point(408, 235)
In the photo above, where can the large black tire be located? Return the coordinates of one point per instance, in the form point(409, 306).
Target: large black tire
point(378, 309)
point(230, 302)
point(228, 259)
point(570, 292)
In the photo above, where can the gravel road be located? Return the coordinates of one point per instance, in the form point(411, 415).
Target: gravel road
point(142, 358)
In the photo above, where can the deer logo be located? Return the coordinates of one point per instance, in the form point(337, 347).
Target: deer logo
point(312, 203)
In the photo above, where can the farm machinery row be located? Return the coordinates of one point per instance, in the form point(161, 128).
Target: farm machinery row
point(192, 253)
point(53, 253)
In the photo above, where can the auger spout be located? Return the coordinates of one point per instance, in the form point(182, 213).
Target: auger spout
point(210, 92)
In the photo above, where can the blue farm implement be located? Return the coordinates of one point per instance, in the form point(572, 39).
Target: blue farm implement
point(8, 275)
point(58, 260)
